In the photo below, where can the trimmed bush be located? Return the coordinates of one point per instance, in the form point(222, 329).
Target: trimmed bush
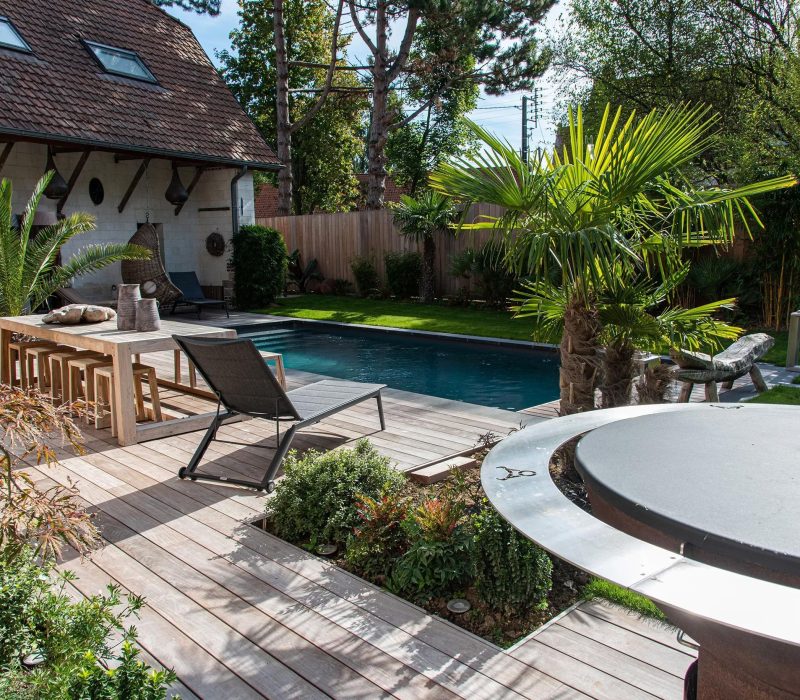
point(260, 262)
point(403, 273)
point(511, 573)
point(317, 500)
point(367, 280)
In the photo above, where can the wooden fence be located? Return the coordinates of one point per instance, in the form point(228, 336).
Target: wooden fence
point(335, 239)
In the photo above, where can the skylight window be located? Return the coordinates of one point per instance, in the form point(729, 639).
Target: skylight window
point(120, 62)
point(10, 38)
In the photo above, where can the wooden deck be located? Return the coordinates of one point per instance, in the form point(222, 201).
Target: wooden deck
point(239, 613)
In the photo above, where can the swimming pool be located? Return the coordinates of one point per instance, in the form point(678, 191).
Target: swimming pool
point(489, 374)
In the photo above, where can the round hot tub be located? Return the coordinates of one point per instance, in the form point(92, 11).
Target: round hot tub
point(724, 490)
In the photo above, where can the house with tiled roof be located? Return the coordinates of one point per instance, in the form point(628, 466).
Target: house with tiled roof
point(119, 97)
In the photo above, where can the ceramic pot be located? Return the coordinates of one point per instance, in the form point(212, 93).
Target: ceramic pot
point(127, 298)
point(147, 318)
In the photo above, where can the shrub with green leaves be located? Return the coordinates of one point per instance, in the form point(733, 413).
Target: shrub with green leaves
point(260, 261)
point(366, 274)
point(380, 538)
point(316, 500)
point(403, 273)
point(438, 559)
point(511, 573)
point(76, 639)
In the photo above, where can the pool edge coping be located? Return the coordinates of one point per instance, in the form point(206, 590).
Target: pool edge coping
point(255, 329)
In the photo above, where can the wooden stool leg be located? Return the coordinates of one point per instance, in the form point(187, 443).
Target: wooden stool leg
point(56, 390)
point(112, 402)
point(176, 360)
point(90, 397)
point(23, 369)
point(101, 390)
point(686, 392)
point(139, 398)
point(711, 391)
point(155, 400)
point(12, 367)
point(280, 371)
point(192, 375)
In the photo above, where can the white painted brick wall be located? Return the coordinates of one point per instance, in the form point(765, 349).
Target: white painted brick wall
point(184, 235)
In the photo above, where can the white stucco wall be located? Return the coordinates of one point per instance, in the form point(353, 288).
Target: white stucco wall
point(184, 235)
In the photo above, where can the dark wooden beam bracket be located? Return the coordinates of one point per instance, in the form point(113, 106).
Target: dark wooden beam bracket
point(5, 154)
point(73, 179)
point(197, 173)
point(132, 186)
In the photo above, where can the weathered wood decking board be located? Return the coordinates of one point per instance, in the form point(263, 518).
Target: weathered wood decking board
point(238, 612)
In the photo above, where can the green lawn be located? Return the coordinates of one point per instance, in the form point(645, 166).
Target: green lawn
point(778, 394)
point(777, 353)
point(404, 314)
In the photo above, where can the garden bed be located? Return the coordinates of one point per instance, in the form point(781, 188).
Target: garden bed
point(501, 619)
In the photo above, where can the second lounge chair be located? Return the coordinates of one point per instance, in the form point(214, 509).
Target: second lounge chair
point(245, 385)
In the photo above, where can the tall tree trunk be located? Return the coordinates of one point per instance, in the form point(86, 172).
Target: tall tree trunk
point(578, 372)
point(284, 125)
point(379, 126)
point(617, 375)
point(428, 275)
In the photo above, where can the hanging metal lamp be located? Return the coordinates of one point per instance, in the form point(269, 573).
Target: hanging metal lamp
point(57, 187)
point(176, 193)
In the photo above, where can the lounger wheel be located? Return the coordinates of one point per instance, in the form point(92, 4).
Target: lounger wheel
point(269, 488)
point(182, 473)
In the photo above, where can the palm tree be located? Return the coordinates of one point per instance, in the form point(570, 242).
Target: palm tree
point(598, 209)
point(421, 219)
point(28, 270)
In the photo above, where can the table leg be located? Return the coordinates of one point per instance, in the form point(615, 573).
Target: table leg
point(124, 407)
point(176, 358)
point(5, 356)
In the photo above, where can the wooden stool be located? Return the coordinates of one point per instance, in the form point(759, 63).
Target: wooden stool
point(277, 358)
point(37, 363)
point(106, 398)
point(59, 372)
point(84, 366)
point(16, 351)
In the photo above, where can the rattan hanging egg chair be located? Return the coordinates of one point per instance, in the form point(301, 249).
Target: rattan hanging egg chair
point(150, 274)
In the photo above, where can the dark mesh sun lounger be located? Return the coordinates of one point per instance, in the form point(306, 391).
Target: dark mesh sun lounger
point(245, 385)
point(192, 293)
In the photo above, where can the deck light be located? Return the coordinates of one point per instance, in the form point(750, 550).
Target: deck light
point(57, 186)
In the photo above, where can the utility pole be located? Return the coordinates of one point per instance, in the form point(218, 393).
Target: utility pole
point(527, 120)
point(525, 99)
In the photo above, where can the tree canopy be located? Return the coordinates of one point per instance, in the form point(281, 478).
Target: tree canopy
point(325, 148)
point(210, 7)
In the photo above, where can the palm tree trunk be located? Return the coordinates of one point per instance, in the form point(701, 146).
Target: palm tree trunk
point(617, 372)
point(578, 372)
point(428, 262)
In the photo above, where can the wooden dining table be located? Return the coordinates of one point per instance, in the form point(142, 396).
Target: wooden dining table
point(121, 346)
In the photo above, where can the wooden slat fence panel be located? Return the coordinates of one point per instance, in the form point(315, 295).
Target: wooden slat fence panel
point(335, 239)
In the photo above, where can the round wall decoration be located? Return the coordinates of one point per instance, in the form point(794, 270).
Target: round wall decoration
point(215, 244)
point(96, 192)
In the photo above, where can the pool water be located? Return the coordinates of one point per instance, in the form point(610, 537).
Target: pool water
point(501, 376)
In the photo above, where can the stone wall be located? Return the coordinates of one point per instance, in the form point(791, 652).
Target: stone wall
point(184, 235)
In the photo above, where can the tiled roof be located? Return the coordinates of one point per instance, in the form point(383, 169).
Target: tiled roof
point(61, 93)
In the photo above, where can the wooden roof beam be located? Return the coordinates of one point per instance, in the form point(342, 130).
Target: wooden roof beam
point(73, 179)
point(197, 173)
point(5, 154)
point(137, 176)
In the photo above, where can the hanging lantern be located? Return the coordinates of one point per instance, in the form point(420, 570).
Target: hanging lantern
point(176, 193)
point(57, 187)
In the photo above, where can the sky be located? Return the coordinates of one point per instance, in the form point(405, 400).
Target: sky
point(501, 115)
